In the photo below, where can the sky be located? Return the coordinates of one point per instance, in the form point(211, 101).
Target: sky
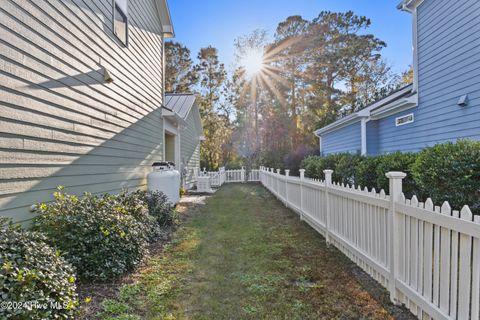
point(198, 23)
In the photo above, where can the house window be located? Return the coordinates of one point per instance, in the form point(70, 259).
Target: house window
point(400, 121)
point(120, 20)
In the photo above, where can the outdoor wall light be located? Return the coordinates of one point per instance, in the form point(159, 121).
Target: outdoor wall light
point(107, 77)
point(463, 101)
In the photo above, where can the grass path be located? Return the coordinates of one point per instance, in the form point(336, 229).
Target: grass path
point(245, 256)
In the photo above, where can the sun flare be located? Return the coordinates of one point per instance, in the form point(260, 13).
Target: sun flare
point(253, 62)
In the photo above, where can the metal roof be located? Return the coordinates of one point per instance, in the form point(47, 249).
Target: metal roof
point(180, 103)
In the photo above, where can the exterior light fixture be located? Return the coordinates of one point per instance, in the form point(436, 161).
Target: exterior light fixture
point(463, 101)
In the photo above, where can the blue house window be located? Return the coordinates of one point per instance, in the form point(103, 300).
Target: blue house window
point(400, 121)
point(120, 20)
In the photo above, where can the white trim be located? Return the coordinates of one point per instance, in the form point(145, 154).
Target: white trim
point(415, 49)
point(320, 144)
point(409, 5)
point(163, 138)
point(396, 107)
point(386, 102)
point(404, 116)
point(123, 9)
point(164, 61)
point(363, 131)
point(165, 18)
point(173, 117)
point(170, 126)
point(177, 151)
point(352, 118)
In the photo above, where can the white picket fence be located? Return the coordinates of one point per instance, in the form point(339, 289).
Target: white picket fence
point(428, 257)
point(218, 178)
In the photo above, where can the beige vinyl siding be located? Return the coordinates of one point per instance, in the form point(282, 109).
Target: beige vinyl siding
point(190, 144)
point(60, 124)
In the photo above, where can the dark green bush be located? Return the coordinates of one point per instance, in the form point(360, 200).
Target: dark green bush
point(159, 207)
point(136, 205)
point(450, 172)
point(445, 172)
point(311, 166)
point(32, 272)
point(96, 234)
point(314, 165)
point(346, 168)
point(397, 161)
point(366, 172)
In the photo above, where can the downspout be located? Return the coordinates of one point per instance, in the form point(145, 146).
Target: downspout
point(363, 134)
point(163, 69)
point(404, 6)
point(320, 144)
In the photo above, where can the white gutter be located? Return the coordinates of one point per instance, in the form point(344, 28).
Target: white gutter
point(398, 106)
point(409, 5)
point(364, 113)
point(165, 18)
point(172, 116)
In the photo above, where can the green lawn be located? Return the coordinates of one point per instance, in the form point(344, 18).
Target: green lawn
point(243, 255)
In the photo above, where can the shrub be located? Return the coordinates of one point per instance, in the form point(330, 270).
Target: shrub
point(97, 235)
point(366, 172)
point(397, 161)
point(136, 205)
point(31, 271)
point(314, 165)
point(311, 165)
point(159, 207)
point(346, 169)
point(450, 172)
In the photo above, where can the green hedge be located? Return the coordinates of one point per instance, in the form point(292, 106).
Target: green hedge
point(445, 172)
point(397, 162)
point(159, 207)
point(450, 172)
point(103, 236)
point(90, 237)
point(31, 272)
point(98, 235)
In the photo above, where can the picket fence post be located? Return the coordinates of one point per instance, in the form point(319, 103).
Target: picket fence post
point(287, 174)
point(328, 183)
point(270, 177)
point(395, 186)
point(242, 174)
point(278, 184)
point(302, 177)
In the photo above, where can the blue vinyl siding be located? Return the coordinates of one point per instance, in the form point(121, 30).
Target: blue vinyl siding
point(372, 137)
point(392, 138)
point(346, 139)
point(448, 67)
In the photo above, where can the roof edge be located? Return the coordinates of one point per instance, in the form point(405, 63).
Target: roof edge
point(165, 18)
point(189, 94)
point(366, 112)
point(409, 5)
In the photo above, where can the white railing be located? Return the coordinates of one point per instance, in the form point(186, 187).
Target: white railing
point(237, 175)
point(218, 178)
point(254, 175)
point(428, 257)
